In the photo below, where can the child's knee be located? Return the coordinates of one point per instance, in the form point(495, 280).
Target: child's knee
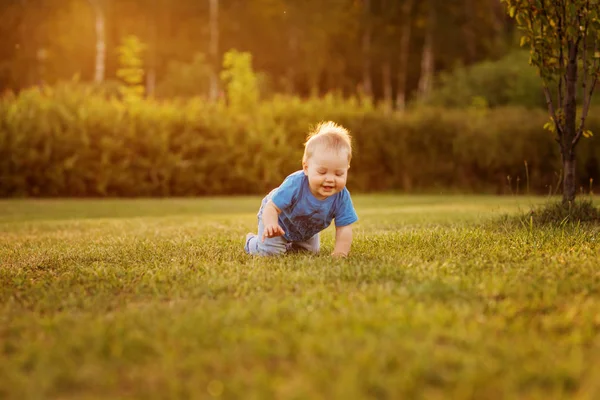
point(271, 249)
point(310, 246)
point(313, 244)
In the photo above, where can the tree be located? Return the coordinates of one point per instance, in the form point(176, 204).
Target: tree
point(427, 58)
point(131, 68)
point(366, 50)
point(303, 46)
point(240, 80)
point(385, 34)
point(100, 40)
point(563, 37)
point(214, 48)
point(403, 51)
point(151, 49)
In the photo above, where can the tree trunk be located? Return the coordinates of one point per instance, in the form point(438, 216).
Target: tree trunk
point(497, 15)
point(23, 55)
point(214, 49)
point(292, 59)
point(151, 81)
point(313, 81)
point(426, 78)
point(151, 74)
point(570, 110)
point(403, 62)
point(366, 48)
point(569, 164)
point(100, 41)
point(386, 75)
point(468, 32)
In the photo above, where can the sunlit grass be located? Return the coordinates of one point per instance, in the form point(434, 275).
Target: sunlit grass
point(155, 299)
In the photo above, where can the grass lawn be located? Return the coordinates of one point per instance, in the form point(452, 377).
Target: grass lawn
point(156, 299)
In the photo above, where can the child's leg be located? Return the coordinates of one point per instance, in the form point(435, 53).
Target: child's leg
point(270, 247)
point(313, 244)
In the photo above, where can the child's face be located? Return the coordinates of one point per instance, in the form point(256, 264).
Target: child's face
point(327, 171)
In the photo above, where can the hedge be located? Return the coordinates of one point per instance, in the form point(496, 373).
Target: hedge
point(74, 141)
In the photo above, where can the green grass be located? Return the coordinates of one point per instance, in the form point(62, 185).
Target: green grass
point(156, 299)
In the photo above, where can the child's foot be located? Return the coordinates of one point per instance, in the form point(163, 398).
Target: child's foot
point(249, 236)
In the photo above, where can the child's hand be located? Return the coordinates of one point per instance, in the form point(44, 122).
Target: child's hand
point(272, 231)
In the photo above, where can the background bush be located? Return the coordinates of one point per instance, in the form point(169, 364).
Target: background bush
point(507, 81)
point(72, 140)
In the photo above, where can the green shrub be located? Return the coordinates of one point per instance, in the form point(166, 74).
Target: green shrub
point(505, 82)
point(73, 140)
point(186, 79)
point(582, 210)
point(240, 80)
point(131, 69)
point(555, 213)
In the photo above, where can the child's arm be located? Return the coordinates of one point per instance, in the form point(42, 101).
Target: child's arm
point(343, 240)
point(270, 221)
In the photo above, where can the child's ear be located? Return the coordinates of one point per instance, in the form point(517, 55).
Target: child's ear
point(305, 167)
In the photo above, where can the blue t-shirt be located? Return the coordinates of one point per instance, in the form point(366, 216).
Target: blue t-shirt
point(302, 214)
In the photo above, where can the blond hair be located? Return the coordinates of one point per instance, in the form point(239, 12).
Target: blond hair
point(333, 136)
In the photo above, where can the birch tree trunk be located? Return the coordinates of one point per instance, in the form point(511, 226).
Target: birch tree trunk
point(99, 65)
point(24, 62)
point(386, 75)
point(404, 49)
point(427, 58)
point(214, 48)
point(366, 50)
point(151, 73)
point(497, 16)
point(386, 65)
point(292, 59)
point(468, 32)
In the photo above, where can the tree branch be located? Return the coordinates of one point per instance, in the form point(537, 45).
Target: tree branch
point(578, 23)
point(552, 111)
point(587, 99)
point(562, 77)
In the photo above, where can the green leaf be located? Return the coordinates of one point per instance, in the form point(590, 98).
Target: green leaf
point(588, 134)
point(511, 11)
point(550, 126)
point(524, 40)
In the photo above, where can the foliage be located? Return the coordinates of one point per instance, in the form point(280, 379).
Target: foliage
point(300, 45)
point(74, 140)
point(131, 69)
point(561, 36)
point(186, 79)
point(559, 213)
point(558, 35)
point(155, 299)
point(507, 81)
point(240, 81)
